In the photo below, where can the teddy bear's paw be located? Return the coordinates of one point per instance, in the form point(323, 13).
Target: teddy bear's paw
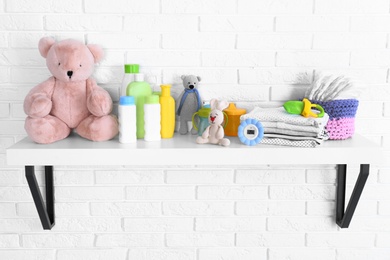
point(46, 130)
point(98, 128)
point(99, 103)
point(40, 106)
point(183, 130)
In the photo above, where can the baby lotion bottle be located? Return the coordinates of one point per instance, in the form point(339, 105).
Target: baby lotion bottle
point(130, 70)
point(152, 118)
point(139, 89)
point(127, 120)
point(167, 112)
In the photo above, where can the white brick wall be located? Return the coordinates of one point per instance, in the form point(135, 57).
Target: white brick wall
point(253, 52)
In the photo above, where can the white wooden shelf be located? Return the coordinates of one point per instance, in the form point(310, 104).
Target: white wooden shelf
point(183, 150)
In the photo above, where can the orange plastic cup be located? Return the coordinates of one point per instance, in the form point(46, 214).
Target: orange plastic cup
point(233, 113)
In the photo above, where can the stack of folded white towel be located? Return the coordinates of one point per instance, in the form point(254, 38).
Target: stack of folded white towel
point(282, 128)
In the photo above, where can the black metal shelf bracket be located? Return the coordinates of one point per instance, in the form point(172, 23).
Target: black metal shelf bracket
point(45, 212)
point(344, 216)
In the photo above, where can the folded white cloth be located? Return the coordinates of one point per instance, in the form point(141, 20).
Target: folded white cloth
point(287, 142)
point(282, 128)
point(288, 139)
point(299, 128)
point(329, 87)
point(275, 130)
point(291, 137)
point(294, 137)
point(279, 114)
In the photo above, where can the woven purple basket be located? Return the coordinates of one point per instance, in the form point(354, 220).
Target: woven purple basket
point(341, 124)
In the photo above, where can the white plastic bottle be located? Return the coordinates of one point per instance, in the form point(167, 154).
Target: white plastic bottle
point(130, 71)
point(127, 120)
point(152, 118)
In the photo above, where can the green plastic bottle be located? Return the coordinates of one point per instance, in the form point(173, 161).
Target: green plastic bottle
point(139, 89)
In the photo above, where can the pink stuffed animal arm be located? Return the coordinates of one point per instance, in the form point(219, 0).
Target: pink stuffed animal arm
point(99, 102)
point(38, 101)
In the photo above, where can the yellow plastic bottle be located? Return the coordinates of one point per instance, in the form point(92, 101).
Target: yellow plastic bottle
point(167, 112)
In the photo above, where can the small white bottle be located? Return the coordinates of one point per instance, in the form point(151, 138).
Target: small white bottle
point(130, 71)
point(152, 118)
point(127, 120)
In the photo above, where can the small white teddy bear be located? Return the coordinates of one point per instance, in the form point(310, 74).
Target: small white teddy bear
point(214, 133)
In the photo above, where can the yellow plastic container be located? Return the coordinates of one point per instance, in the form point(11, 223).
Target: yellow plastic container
point(167, 112)
point(233, 113)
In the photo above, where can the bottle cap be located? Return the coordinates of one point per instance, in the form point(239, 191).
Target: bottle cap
point(165, 89)
point(165, 86)
point(139, 77)
point(152, 99)
point(126, 100)
point(131, 68)
point(233, 110)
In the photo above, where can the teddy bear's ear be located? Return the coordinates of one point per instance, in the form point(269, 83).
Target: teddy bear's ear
point(183, 77)
point(213, 103)
point(222, 105)
point(199, 79)
point(44, 45)
point(97, 52)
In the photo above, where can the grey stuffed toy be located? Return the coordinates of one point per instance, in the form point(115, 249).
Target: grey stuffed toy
point(188, 103)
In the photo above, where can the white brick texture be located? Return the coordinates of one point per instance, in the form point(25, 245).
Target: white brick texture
point(246, 51)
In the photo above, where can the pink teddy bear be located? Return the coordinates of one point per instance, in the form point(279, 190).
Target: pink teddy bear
point(70, 99)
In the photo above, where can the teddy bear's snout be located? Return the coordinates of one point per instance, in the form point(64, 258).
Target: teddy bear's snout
point(69, 73)
point(191, 86)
